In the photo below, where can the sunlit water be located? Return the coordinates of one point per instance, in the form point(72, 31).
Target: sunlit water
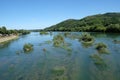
point(39, 64)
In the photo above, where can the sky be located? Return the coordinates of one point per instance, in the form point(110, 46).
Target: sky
point(39, 14)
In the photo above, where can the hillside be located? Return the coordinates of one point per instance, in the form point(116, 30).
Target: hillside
point(108, 22)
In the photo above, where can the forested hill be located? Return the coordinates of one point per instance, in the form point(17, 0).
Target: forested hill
point(108, 22)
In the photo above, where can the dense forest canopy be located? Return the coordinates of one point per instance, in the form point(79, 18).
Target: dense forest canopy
point(108, 22)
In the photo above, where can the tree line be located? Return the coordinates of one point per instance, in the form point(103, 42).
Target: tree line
point(4, 31)
point(108, 22)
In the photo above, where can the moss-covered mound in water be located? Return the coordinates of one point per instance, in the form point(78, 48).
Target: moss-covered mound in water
point(28, 47)
point(86, 38)
point(102, 48)
point(58, 40)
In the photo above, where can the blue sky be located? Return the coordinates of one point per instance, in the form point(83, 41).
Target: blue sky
point(38, 14)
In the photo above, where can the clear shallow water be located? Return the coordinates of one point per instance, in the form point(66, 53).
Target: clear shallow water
point(77, 64)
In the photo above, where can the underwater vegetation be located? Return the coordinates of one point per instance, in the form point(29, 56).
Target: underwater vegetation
point(48, 42)
point(58, 40)
point(43, 33)
point(97, 59)
point(4, 44)
point(86, 39)
point(59, 73)
point(66, 34)
point(58, 70)
point(101, 48)
point(28, 47)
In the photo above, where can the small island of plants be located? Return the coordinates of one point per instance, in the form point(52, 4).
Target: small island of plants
point(58, 40)
point(86, 38)
point(28, 47)
point(43, 33)
point(101, 48)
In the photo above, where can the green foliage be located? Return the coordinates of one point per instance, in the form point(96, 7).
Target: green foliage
point(66, 34)
point(43, 33)
point(23, 32)
point(102, 48)
point(58, 70)
point(58, 40)
point(86, 37)
point(97, 59)
point(5, 32)
point(28, 47)
point(109, 22)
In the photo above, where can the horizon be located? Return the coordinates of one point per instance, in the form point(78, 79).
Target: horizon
point(39, 14)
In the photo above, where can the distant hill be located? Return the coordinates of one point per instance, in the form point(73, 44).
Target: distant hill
point(108, 22)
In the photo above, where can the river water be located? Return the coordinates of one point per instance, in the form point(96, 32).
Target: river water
point(47, 62)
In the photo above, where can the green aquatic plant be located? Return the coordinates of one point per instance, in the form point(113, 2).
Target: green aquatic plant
point(48, 42)
point(58, 70)
point(43, 33)
point(101, 47)
point(66, 34)
point(28, 47)
point(58, 40)
point(97, 59)
point(66, 48)
point(86, 38)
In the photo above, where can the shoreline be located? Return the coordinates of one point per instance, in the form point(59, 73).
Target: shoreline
point(7, 38)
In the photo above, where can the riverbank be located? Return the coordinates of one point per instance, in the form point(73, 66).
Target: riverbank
point(8, 38)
